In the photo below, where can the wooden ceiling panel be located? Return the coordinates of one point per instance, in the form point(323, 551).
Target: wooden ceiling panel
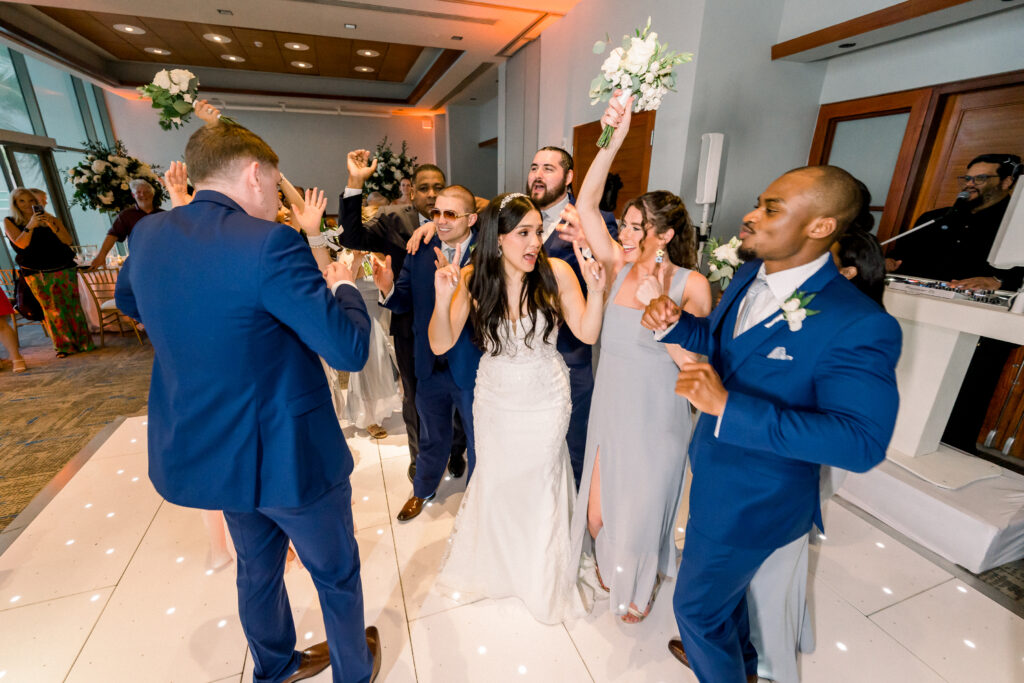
point(396, 61)
point(93, 30)
point(262, 57)
point(310, 56)
point(334, 56)
point(186, 47)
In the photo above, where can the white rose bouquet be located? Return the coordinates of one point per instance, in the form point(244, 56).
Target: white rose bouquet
point(723, 260)
point(391, 168)
point(642, 67)
point(174, 93)
point(102, 178)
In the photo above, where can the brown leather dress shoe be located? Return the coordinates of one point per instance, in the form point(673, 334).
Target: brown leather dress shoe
point(314, 660)
point(413, 507)
point(373, 642)
point(675, 646)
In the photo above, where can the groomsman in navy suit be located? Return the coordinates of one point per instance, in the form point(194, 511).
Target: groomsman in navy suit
point(240, 414)
point(547, 184)
point(800, 373)
point(444, 384)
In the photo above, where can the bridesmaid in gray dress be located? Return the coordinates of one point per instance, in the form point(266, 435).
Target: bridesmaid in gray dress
point(639, 429)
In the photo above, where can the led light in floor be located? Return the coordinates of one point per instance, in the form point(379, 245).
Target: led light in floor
point(365, 498)
point(448, 478)
point(309, 635)
point(522, 669)
point(135, 478)
point(15, 598)
point(88, 505)
point(969, 644)
point(180, 560)
point(209, 572)
point(679, 529)
point(146, 422)
point(3, 673)
point(110, 551)
point(879, 544)
point(94, 598)
point(430, 504)
point(481, 650)
point(380, 532)
point(622, 607)
point(70, 541)
point(618, 569)
point(120, 471)
point(170, 610)
point(842, 646)
point(222, 623)
point(134, 440)
point(887, 591)
point(109, 515)
point(961, 589)
point(822, 537)
point(456, 595)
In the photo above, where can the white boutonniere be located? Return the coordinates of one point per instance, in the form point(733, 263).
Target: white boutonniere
point(794, 310)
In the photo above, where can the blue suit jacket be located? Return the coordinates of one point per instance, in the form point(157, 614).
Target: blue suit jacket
point(414, 291)
point(576, 353)
point(240, 415)
point(833, 403)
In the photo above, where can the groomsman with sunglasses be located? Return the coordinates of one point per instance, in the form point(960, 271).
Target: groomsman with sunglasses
point(387, 233)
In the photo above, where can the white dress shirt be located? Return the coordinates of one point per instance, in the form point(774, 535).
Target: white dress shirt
point(552, 216)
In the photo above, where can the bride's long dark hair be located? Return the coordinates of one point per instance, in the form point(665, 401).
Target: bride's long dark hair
point(490, 312)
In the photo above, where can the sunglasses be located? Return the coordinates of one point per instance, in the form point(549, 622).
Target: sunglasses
point(448, 214)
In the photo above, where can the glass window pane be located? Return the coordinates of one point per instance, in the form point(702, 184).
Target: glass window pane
point(31, 168)
point(868, 148)
point(91, 226)
point(94, 111)
point(57, 102)
point(13, 114)
point(6, 255)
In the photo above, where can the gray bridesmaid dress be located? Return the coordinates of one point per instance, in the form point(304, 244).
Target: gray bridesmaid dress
point(642, 429)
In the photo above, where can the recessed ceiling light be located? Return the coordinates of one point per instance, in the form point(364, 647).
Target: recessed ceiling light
point(456, 37)
point(367, 53)
point(157, 51)
point(216, 38)
point(365, 69)
point(350, 25)
point(232, 58)
point(301, 47)
point(302, 65)
point(225, 12)
point(128, 28)
point(846, 45)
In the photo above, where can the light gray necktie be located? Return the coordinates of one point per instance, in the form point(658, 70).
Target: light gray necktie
point(753, 301)
point(449, 253)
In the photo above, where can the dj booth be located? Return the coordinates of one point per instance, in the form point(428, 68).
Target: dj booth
point(964, 508)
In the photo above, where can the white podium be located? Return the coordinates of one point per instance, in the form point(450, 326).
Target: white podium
point(964, 508)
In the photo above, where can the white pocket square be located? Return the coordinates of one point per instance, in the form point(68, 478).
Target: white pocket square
point(779, 353)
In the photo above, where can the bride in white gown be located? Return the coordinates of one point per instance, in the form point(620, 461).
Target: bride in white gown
point(511, 535)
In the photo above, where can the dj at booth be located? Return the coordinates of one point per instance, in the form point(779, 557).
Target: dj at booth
point(955, 247)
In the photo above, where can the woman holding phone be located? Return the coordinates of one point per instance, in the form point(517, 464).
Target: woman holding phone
point(42, 250)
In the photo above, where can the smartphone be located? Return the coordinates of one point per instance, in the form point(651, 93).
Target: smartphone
point(37, 210)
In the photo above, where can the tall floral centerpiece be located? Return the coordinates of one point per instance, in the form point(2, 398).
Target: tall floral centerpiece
point(101, 178)
point(641, 67)
point(391, 168)
point(174, 92)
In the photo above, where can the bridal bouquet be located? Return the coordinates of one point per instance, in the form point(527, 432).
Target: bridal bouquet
point(173, 93)
point(642, 67)
point(391, 168)
point(723, 260)
point(101, 178)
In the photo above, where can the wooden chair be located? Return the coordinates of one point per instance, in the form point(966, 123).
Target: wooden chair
point(101, 283)
point(8, 277)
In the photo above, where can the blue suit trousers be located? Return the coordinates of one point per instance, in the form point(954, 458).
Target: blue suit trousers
point(437, 398)
point(323, 535)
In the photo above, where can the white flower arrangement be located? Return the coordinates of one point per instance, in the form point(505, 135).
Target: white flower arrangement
point(103, 178)
point(641, 67)
point(173, 93)
point(723, 260)
point(391, 168)
point(794, 311)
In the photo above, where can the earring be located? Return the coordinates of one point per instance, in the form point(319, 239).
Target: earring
point(499, 251)
point(659, 256)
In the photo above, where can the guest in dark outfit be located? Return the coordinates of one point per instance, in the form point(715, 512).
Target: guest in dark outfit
point(126, 220)
point(43, 253)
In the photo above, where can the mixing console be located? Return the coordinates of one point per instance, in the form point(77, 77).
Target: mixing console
point(943, 290)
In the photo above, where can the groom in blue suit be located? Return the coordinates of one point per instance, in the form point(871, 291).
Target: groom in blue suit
point(800, 373)
point(240, 415)
point(444, 384)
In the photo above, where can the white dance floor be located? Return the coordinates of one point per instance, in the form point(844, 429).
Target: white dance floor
point(109, 583)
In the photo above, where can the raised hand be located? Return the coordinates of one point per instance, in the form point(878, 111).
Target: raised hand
point(360, 167)
point(446, 279)
point(420, 235)
point(355, 266)
point(593, 271)
point(307, 216)
point(206, 112)
point(618, 116)
point(336, 271)
point(570, 228)
point(702, 386)
point(660, 313)
point(175, 181)
point(654, 285)
point(383, 276)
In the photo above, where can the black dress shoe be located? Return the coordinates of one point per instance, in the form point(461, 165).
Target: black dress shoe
point(412, 471)
point(373, 643)
point(314, 660)
point(413, 507)
point(457, 465)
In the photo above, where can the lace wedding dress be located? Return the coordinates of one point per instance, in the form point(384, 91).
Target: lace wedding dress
point(511, 535)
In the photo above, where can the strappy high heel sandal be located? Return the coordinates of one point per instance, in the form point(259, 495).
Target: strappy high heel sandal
point(18, 366)
point(633, 614)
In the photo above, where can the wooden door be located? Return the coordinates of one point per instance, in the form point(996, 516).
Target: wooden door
point(632, 163)
point(1005, 416)
point(971, 123)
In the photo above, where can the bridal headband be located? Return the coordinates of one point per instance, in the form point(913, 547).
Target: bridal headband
point(509, 197)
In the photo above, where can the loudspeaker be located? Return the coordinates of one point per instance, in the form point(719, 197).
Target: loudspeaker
point(710, 163)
